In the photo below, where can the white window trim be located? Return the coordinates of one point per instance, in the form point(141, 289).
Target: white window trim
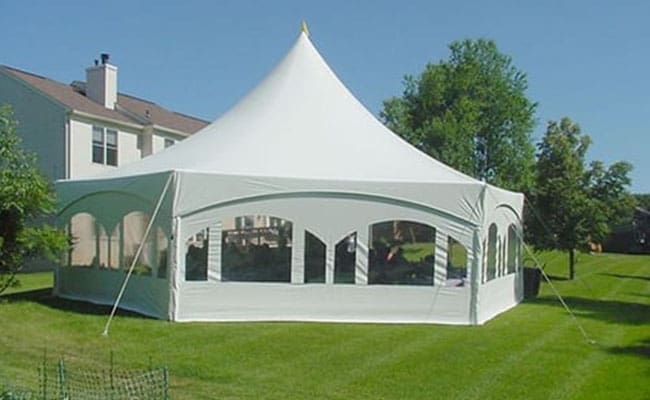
point(104, 146)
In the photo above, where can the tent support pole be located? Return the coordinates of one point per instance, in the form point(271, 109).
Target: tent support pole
point(137, 254)
point(557, 294)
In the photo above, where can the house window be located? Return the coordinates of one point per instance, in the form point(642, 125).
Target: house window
point(104, 146)
point(169, 142)
point(98, 145)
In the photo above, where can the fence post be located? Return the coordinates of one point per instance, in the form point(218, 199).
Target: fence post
point(63, 392)
point(44, 376)
point(165, 383)
point(112, 381)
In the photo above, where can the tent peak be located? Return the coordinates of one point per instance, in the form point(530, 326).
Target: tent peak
point(304, 28)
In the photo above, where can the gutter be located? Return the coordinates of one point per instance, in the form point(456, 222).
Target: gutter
point(172, 131)
point(131, 125)
point(105, 119)
point(67, 174)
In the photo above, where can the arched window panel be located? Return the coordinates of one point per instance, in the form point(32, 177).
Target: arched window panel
point(514, 249)
point(345, 259)
point(491, 270)
point(196, 256)
point(114, 248)
point(256, 248)
point(83, 240)
point(456, 263)
point(162, 248)
point(314, 259)
point(134, 226)
point(401, 253)
point(109, 248)
point(103, 241)
point(502, 256)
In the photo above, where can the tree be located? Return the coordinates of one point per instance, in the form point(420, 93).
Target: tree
point(470, 112)
point(614, 204)
point(25, 196)
point(643, 200)
point(574, 205)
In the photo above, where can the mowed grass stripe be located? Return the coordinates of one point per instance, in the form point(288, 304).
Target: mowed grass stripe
point(582, 373)
point(533, 351)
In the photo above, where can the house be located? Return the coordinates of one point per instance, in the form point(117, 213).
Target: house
point(86, 128)
point(633, 236)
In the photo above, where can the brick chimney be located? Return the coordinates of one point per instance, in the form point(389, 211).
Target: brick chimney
point(101, 82)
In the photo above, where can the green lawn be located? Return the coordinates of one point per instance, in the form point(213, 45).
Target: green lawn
point(534, 351)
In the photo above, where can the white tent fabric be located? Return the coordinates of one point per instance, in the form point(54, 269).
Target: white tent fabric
point(300, 122)
point(301, 148)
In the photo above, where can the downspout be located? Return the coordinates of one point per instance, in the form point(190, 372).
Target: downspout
point(66, 156)
point(66, 175)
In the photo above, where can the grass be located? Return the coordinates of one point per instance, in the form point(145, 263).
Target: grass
point(534, 351)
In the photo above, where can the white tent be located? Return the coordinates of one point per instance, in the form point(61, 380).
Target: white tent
point(297, 204)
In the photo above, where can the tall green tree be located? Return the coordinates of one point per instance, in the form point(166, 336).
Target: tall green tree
point(643, 200)
point(574, 205)
point(25, 196)
point(608, 190)
point(470, 112)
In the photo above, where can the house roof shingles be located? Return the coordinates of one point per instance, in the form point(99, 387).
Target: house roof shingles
point(136, 111)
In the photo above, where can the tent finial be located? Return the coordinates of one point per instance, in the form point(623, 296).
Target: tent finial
point(304, 28)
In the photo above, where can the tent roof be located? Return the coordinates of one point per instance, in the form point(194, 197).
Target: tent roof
point(299, 122)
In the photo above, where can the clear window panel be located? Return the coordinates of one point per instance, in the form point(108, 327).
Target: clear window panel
point(162, 246)
point(345, 259)
point(314, 259)
point(104, 246)
point(501, 262)
point(491, 271)
point(514, 249)
point(114, 248)
point(83, 236)
point(254, 251)
point(134, 226)
point(456, 263)
point(196, 256)
point(401, 253)
point(244, 222)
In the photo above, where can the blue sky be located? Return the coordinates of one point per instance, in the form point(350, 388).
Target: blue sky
point(589, 60)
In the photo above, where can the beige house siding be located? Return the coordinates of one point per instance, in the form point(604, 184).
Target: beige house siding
point(81, 136)
point(42, 123)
